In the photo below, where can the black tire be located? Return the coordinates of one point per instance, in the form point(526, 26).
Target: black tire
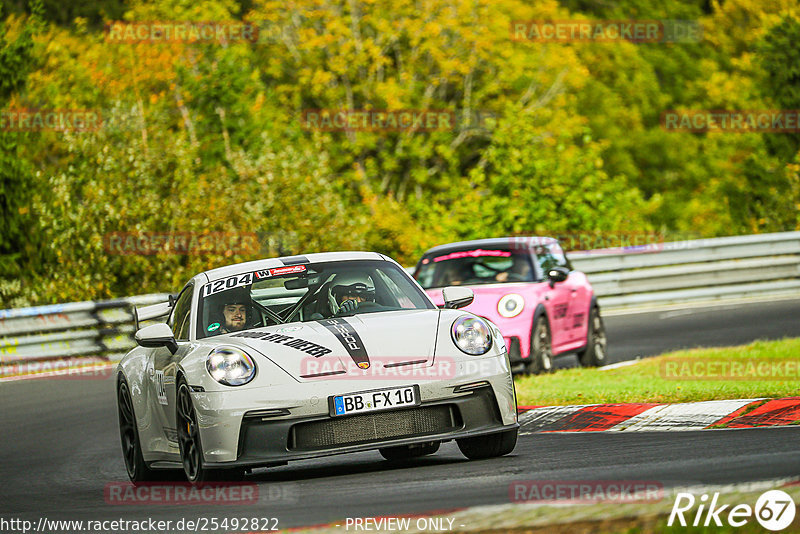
point(540, 359)
point(137, 469)
point(191, 447)
point(488, 446)
point(595, 354)
point(406, 452)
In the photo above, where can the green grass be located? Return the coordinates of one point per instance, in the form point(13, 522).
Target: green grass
point(672, 378)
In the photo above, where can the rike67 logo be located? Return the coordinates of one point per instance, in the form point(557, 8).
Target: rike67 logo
point(774, 510)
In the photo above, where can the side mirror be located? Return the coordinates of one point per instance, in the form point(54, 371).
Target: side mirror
point(557, 274)
point(457, 297)
point(157, 335)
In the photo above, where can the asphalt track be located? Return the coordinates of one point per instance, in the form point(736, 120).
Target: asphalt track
point(653, 333)
point(59, 447)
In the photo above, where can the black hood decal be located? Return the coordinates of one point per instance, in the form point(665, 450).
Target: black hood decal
point(349, 338)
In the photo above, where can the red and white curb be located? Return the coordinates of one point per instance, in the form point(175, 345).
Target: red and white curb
point(643, 417)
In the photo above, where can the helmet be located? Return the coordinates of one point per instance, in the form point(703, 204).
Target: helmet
point(352, 284)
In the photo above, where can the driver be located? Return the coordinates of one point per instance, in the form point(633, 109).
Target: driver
point(349, 291)
point(519, 271)
point(235, 310)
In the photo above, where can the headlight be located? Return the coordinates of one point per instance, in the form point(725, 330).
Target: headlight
point(510, 305)
point(471, 335)
point(230, 366)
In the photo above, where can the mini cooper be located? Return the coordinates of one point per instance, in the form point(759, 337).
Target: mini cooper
point(527, 287)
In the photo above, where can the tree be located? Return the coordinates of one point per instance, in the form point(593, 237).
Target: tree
point(16, 61)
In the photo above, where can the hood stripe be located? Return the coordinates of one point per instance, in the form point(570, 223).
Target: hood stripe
point(349, 339)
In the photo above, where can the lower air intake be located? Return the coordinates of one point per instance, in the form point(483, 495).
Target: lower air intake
point(373, 427)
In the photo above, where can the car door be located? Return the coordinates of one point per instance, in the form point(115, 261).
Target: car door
point(560, 298)
point(575, 288)
point(164, 364)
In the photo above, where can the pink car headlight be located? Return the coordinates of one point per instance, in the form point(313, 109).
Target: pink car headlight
point(510, 305)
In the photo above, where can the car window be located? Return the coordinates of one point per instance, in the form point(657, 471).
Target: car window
point(179, 321)
point(391, 286)
point(474, 266)
point(308, 292)
point(549, 256)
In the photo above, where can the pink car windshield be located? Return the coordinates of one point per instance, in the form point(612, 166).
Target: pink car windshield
point(475, 266)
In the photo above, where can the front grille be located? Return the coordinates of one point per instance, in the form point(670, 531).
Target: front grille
point(374, 427)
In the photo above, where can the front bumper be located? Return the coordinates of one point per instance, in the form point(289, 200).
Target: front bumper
point(265, 442)
point(233, 435)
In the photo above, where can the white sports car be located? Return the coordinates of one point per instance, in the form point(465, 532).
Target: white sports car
point(299, 357)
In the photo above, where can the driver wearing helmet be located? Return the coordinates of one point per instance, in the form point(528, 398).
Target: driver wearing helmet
point(519, 271)
point(350, 291)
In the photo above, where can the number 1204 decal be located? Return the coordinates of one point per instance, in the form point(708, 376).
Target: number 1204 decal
point(228, 283)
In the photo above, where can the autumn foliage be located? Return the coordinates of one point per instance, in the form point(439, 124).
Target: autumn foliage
point(207, 135)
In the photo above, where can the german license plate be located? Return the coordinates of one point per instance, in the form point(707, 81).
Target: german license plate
point(375, 400)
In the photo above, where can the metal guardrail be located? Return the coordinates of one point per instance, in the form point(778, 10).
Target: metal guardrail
point(656, 274)
point(103, 329)
point(685, 271)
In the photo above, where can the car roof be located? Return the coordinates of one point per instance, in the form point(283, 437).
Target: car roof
point(518, 242)
point(269, 263)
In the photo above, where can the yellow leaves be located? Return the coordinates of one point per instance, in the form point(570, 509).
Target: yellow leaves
point(737, 24)
point(321, 77)
point(258, 103)
point(432, 29)
point(394, 95)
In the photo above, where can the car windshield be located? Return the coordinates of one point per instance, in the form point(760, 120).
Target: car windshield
point(475, 266)
point(308, 292)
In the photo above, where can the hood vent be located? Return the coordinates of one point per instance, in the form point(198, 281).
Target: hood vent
point(329, 373)
point(398, 364)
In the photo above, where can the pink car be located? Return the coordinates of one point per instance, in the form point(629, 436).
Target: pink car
point(526, 286)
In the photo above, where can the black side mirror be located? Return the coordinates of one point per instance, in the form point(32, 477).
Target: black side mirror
point(556, 275)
